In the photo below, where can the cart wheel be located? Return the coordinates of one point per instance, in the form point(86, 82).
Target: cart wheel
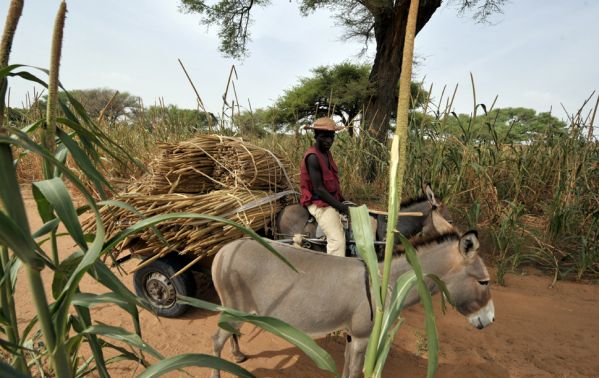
point(154, 283)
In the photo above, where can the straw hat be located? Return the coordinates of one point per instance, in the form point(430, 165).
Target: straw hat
point(324, 124)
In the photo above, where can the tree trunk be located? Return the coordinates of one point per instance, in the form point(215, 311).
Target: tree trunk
point(390, 31)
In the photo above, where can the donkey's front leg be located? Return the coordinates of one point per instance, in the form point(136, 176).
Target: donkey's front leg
point(239, 357)
point(218, 341)
point(347, 356)
point(357, 350)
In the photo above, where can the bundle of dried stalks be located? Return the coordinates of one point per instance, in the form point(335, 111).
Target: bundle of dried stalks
point(253, 209)
point(185, 167)
point(222, 173)
point(249, 166)
point(211, 162)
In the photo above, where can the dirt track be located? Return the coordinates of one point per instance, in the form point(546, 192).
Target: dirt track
point(538, 331)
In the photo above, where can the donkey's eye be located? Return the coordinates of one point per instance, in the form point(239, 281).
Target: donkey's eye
point(484, 283)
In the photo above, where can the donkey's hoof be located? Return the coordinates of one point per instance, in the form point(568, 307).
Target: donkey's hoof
point(241, 358)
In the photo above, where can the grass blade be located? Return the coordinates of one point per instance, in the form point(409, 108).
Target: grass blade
point(22, 245)
point(199, 360)
point(57, 195)
point(360, 223)
point(123, 335)
point(8, 371)
point(384, 350)
point(83, 162)
point(90, 300)
point(425, 298)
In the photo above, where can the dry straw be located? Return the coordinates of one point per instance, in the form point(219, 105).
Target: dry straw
point(212, 175)
point(211, 162)
point(188, 236)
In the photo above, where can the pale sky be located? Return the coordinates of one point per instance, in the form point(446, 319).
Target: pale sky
point(537, 54)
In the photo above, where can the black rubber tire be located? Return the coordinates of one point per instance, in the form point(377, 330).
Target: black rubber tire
point(153, 282)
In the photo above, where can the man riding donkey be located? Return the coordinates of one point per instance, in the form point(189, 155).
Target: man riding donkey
point(321, 196)
point(320, 188)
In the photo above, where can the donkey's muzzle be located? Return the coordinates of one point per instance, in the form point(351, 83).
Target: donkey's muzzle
point(484, 316)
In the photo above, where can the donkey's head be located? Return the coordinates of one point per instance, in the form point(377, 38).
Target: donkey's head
point(435, 219)
point(467, 280)
point(438, 220)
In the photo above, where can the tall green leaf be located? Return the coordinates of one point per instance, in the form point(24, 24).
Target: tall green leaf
point(63, 273)
point(83, 162)
point(360, 222)
point(90, 300)
point(46, 228)
point(21, 244)
point(8, 371)
point(361, 228)
point(123, 335)
point(57, 195)
point(400, 292)
point(384, 350)
point(92, 339)
point(427, 302)
point(198, 360)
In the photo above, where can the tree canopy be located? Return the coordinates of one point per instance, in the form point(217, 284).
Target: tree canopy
point(341, 90)
point(381, 21)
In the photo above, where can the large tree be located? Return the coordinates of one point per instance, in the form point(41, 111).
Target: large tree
point(342, 90)
point(383, 21)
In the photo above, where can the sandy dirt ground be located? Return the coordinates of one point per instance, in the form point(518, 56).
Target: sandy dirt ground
point(538, 332)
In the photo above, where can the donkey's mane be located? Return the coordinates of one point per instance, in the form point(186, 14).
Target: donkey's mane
point(413, 200)
point(436, 239)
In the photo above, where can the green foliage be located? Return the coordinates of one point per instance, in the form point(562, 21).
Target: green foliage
point(340, 90)
point(387, 320)
point(256, 123)
point(172, 120)
point(507, 125)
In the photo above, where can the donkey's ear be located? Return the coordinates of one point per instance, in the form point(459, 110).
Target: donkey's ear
point(430, 195)
point(469, 244)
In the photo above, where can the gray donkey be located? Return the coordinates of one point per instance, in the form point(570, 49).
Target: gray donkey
point(330, 293)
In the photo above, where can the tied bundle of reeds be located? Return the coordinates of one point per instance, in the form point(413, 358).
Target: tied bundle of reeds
point(253, 209)
point(210, 162)
point(185, 167)
point(245, 165)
